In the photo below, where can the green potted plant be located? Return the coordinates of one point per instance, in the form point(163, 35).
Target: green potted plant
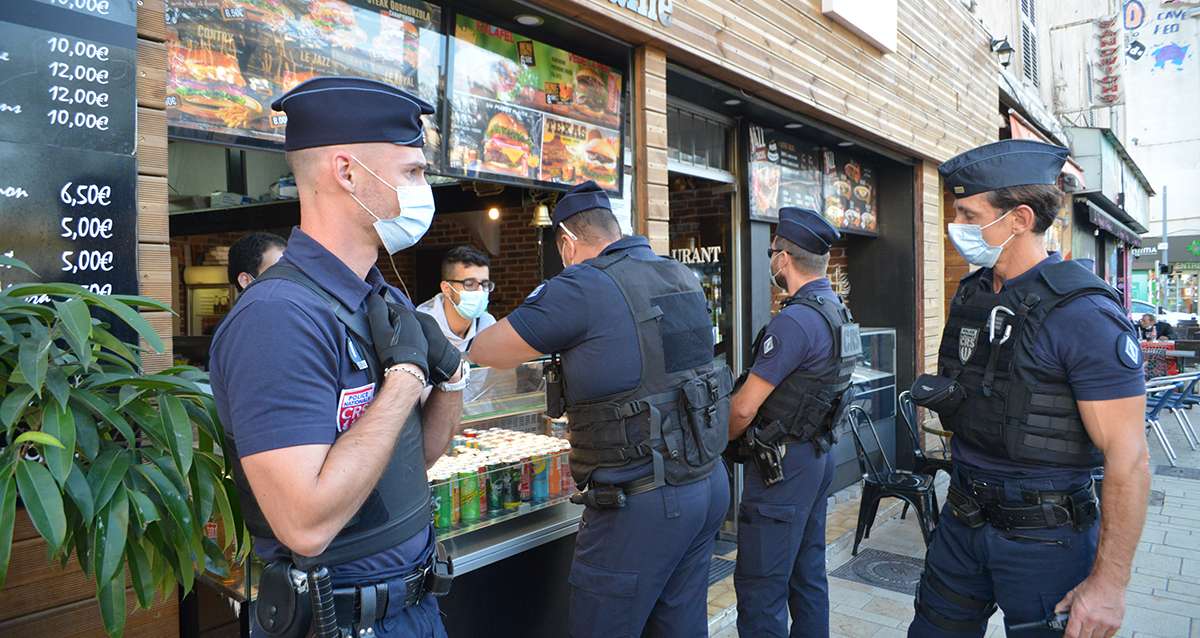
point(120, 468)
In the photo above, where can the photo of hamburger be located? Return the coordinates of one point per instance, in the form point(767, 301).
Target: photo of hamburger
point(209, 87)
point(334, 22)
point(506, 146)
point(591, 93)
point(556, 160)
point(599, 161)
point(273, 14)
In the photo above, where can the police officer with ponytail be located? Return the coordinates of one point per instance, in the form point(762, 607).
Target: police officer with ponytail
point(648, 414)
point(784, 412)
point(1040, 380)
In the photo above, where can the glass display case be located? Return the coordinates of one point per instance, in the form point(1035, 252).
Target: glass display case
point(875, 391)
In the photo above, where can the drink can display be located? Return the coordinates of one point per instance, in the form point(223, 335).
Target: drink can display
point(512, 488)
point(455, 489)
point(483, 488)
point(443, 502)
point(540, 483)
point(497, 487)
point(526, 477)
point(468, 491)
point(555, 476)
point(564, 470)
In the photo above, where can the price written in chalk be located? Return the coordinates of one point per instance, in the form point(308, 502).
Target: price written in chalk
point(77, 119)
point(78, 48)
point(73, 194)
point(97, 7)
point(87, 97)
point(78, 73)
point(86, 228)
point(87, 260)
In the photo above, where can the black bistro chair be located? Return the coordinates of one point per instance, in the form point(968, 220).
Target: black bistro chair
point(928, 462)
point(914, 489)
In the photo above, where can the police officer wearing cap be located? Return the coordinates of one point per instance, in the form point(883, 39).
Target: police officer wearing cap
point(318, 370)
point(782, 420)
point(648, 416)
point(1040, 380)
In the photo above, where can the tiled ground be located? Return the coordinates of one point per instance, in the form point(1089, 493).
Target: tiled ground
point(1163, 600)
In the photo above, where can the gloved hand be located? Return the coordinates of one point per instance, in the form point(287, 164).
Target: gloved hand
point(397, 334)
point(444, 358)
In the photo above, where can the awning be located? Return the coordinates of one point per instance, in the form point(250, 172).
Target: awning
point(1109, 224)
point(1023, 130)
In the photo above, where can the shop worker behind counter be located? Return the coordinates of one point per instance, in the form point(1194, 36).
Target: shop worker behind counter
point(782, 425)
point(318, 370)
point(648, 417)
point(1040, 380)
point(461, 307)
point(251, 255)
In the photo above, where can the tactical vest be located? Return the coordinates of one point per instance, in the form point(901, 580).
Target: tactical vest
point(399, 506)
point(808, 404)
point(678, 415)
point(1014, 408)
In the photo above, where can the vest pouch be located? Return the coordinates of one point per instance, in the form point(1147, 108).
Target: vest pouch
point(704, 412)
point(943, 396)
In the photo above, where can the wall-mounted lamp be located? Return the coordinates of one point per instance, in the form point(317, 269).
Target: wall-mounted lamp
point(493, 213)
point(1003, 51)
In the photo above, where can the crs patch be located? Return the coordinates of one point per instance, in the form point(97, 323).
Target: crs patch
point(769, 346)
point(537, 292)
point(1128, 351)
point(351, 405)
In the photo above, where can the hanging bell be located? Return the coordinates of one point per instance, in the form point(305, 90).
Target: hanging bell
point(541, 216)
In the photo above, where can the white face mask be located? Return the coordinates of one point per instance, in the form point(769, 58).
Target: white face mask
point(969, 242)
point(471, 303)
point(775, 279)
point(416, 214)
point(569, 235)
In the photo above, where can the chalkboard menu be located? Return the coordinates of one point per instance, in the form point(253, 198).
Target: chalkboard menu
point(67, 135)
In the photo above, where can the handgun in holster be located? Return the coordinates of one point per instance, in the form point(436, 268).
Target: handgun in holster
point(604, 497)
point(768, 459)
point(556, 399)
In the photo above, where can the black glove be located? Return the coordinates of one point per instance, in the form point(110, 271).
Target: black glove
point(397, 334)
point(444, 358)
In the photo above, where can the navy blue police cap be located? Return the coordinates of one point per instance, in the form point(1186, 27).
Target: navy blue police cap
point(1003, 164)
point(581, 197)
point(327, 111)
point(807, 229)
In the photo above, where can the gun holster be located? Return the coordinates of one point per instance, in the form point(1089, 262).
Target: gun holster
point(769, 461)
point(603, 497)
point(440, 574)
point(556, 400)
point(283, 608)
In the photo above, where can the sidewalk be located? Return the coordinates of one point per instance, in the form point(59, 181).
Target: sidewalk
point(1163, 600)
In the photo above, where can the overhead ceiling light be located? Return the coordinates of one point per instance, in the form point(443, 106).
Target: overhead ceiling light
point(493, 213)
point(793, 125)
point(732, 102)
point(529, 20)
point(845, 144)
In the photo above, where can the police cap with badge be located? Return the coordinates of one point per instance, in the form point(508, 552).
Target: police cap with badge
point(328, 111)
point(1003, 164)
point(581, 197)
point(807, 229)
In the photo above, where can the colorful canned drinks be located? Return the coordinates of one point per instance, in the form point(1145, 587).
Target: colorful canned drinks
point(455, 489)
point(497, 487)
point(443, 502)
point(555, 476)
point(469, 494)
point(540, 483)
point(526, 476)
point(512, 488)
point(483, 503)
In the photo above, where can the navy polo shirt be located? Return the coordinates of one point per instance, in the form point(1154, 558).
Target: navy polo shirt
point(282, 376)
point(1079, 341)
point(582, 315)
point(798, 338)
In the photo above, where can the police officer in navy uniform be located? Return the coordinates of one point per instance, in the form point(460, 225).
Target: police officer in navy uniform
point(318, 370)
point(648, 414)
point(1040, 380)
point(783, 416)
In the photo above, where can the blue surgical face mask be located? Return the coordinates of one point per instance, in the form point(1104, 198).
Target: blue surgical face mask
point(416, 214)
point(969, 242)
point(471, 303)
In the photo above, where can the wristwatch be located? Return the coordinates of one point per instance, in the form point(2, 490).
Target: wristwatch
point(464, 370)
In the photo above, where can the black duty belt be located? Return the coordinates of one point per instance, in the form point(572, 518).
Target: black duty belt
point(612, 496)
point(982, 502)
point(364, 605)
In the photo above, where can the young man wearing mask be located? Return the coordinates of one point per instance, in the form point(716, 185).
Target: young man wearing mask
point(461, 307)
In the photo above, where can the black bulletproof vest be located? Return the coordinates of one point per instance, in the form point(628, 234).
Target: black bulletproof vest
point(1014, 409)
point(807, 405)
point(679, 414)
point(399, 506)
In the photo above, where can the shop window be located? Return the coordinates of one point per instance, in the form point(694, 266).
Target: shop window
point(700, 238)
point(696, 140)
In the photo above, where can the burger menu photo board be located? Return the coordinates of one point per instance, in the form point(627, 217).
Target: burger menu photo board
point(229, 59)
point(527, 111)
point(849, 192)
point(783, 172)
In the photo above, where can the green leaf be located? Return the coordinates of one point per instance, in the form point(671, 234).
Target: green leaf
point(122, 350)
point(143, 507)
point(214, 558)
point(81, 493)
point(76, 322)
point(40, 438)
point(8, 462)
point(144, 303)
point(178, 429)
point(34, 358)
point(221, 498)
point(204, 486)
point(112, 530)
point(14, 406)
point(86, 436)
point(112, 604)
point(170, 496)
point(43, 502)
point(8, 515)
point(130, 317)
point(61, 425)
point(101, 408)
point(106, 474)
point(127, 394)
point(13, 262)
point(56, 383)
point(149, 419)
point(141, 573)
point(6, 333)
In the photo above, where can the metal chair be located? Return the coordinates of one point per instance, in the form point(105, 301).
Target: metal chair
point(1181, 400)
point(914, 489)
point(928, 462)
point(1158, 396)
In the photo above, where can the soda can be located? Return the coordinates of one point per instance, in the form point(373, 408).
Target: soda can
point(483, 488)
point(443, 502)
point(512, 487)
point(555, 476)
point(468, 495)
point(526, 477)
point(455, 490)
point(497, 487)
point(540, 485)
point(564, 470)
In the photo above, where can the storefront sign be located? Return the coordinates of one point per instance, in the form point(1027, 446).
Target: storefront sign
point(783, 172)
point(849, 192)
point(228, 60)
point(1108, 61)
point(1187, 266)
point(698, 255)
point(528, 112)
point(654, 9)
point(67, 136)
